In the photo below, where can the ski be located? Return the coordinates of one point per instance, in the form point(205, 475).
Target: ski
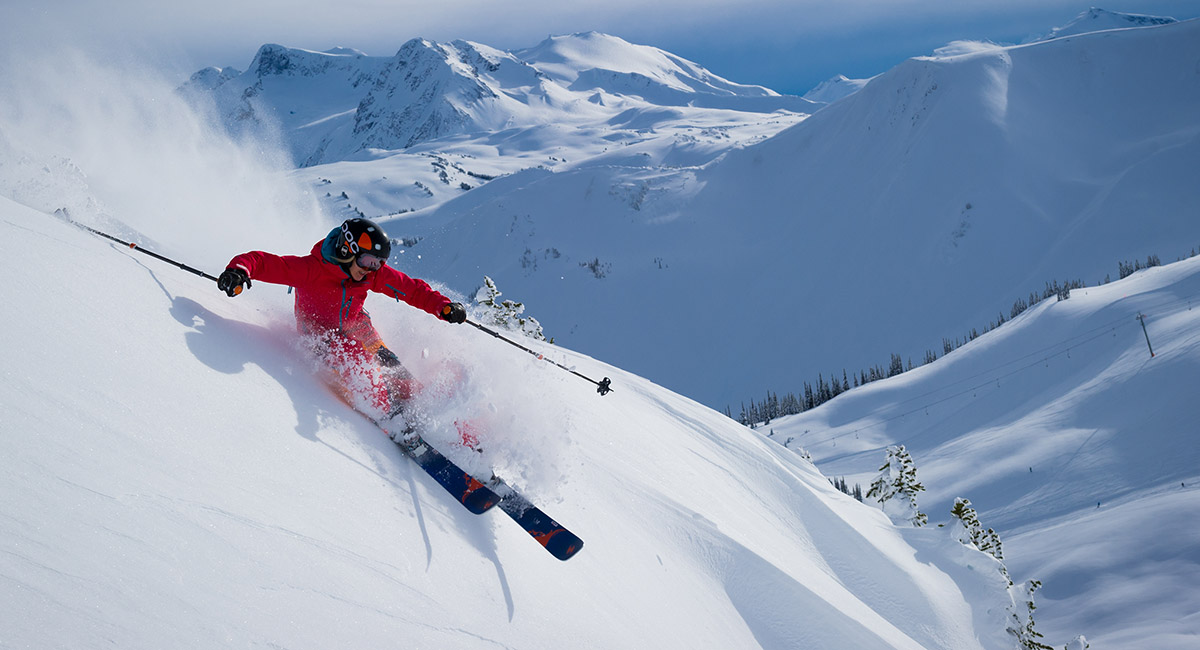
point(473, 494)
point(479, 497)
point(553, 536)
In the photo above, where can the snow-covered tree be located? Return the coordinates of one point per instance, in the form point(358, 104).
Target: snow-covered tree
point(967, 521)
point(1021, 616)
point(507, 314)
point(898, 478)
point(970, 532)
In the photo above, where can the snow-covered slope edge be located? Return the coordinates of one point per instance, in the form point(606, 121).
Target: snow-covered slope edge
point(174, 476)
point(1072, 441)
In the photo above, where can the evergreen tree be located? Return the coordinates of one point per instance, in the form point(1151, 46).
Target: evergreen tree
point(898, 478)
point(972, 532)
point(968, 520)
point(1018, 308)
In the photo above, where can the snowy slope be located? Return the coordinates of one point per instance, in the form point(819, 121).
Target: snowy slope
point(1070, 439)
point(918, 208)
point(176, 476)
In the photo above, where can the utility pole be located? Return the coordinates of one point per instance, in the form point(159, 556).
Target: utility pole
point(1142, 319)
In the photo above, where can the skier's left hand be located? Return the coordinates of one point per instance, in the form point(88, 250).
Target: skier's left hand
point(454, 312)
point(231, 281)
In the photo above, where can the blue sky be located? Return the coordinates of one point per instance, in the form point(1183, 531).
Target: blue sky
point(787, 45)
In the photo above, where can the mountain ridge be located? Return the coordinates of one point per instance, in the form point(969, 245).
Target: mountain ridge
point(1096, 19)
point(428, 91)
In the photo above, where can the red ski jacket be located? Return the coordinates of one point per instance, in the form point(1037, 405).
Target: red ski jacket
point(327, 299)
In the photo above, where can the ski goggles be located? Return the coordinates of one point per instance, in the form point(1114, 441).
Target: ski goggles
point(370, 262)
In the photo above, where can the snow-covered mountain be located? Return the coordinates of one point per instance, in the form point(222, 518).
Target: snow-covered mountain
point(917, 209)
point(177, 475)
point(335, 105)
point(1096, 20)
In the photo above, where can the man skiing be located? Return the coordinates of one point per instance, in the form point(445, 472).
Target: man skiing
point(331, 284)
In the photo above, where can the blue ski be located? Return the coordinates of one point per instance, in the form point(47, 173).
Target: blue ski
point(478, 496)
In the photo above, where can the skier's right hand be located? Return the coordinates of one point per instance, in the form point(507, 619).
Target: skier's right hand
point(454, 312)
point(231, 281)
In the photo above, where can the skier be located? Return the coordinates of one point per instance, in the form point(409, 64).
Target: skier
point(331, 284)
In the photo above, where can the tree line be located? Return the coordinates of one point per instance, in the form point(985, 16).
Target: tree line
point(816, 393)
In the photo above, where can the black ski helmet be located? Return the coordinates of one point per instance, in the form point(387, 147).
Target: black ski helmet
point(360, 236)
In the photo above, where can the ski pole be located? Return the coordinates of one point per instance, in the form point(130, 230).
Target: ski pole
point(603, 386)
point(139, 249)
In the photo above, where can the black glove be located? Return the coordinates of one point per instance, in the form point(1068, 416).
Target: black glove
point(231, 281)
point(454, 313)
